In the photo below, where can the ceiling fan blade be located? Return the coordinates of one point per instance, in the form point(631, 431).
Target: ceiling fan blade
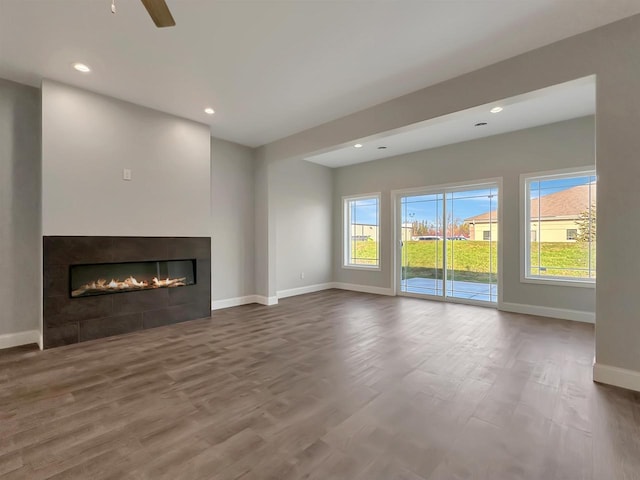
point(159, 12)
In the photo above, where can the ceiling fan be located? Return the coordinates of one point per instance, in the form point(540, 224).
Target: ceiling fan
point(158, 10)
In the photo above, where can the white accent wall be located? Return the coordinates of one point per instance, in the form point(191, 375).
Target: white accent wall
point(87, 142)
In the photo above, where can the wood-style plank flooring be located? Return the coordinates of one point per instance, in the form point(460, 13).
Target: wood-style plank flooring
point(331, 385)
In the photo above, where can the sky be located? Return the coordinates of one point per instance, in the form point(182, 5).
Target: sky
point(552, 186)
point(460, 205)
point(463, 204)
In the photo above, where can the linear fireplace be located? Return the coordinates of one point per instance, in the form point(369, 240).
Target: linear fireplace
point(106, 278)
point(159, 281)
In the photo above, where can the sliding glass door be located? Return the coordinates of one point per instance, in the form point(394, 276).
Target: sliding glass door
point(449, 243)
point(422, 246)
point(472, 244)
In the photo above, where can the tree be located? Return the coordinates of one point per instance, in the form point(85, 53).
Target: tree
point(422, 227)
point(455, 228)
point(587, 225)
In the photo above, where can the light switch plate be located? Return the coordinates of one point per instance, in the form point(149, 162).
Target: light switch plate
point(126, 174)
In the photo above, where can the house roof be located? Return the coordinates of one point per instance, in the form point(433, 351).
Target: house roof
point(569, 203)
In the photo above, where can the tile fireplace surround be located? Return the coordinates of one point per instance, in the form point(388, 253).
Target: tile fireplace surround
point(68, 320)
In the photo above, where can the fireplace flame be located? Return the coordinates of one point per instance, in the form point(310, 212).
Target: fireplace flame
point(176, 282)
point(130, 283)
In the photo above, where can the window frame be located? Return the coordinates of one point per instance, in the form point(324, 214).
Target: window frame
point(346, 232)
point(525, 227)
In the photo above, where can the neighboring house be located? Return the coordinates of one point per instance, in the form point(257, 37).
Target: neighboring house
point(555, 216)
point(362, 232)
point(407, 232)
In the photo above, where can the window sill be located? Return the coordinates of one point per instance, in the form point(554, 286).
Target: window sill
point(372, 268)
point(559, 282)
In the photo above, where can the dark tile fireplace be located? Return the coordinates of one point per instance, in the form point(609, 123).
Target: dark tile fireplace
point(101, 286)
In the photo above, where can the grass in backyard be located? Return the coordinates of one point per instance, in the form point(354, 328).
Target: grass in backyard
point(562, 259)
point(477, 261)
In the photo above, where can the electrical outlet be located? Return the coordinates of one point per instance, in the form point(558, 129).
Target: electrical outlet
point(301, 275)
point(126, 174)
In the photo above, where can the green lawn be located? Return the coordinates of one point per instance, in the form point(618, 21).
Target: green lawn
point(470, 261)
point(557, 256)
point(476, 260)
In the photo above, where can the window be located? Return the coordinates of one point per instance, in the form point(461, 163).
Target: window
point(560, 214)
point(362, 232)
point(486, 235)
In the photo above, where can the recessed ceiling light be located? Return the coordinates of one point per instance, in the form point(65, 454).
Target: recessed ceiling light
point(496, 109)
point(81, 67)
point(209, 111)
point(357, 145)
point(481, 124)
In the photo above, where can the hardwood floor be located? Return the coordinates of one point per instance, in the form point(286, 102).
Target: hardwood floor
point(331, 385)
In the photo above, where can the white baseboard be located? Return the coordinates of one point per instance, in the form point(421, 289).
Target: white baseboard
point(363, 288)
point(262, 300)
point(233, 302)
point(562, 313)
point(292, 292)
point(339, 285)
point(9, 340)
point(618, 377)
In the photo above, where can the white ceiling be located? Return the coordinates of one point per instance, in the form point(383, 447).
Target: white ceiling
point(273, 68)
point(553, 104)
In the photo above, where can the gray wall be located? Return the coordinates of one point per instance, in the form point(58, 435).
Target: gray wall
point(302, 199)
point(20, 237)
point(88, 139)
point(293, 224)
point(611, 53)
point(264, 240)
point(232, 206)
point(561, 145)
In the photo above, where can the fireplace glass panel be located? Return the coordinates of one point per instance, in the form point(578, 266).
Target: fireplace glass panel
point(106, 278)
